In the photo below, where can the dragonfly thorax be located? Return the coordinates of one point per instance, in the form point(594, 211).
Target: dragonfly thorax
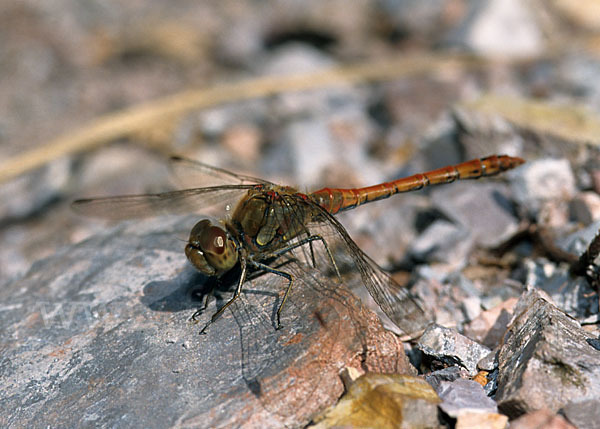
point(268, 217)
point(210, 248)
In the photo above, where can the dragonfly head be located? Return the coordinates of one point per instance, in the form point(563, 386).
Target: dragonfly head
point(210, 248)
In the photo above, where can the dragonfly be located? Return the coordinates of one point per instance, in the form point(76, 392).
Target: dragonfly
point(270, 220)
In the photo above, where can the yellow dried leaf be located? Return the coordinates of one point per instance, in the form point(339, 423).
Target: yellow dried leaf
point(384, 401)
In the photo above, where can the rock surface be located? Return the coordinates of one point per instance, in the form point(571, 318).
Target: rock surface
point(97, 334)
point(384, 401)
point(464, 397)
point(583, 414)
point(452, 348)
point(545, 360)
point(489, 326)
point(501, 28)
point(543, 418)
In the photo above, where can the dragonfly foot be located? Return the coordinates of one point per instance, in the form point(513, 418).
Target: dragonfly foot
point(203, 330)
point(194, 319)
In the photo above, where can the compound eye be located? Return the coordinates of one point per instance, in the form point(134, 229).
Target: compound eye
point(213, 240)
point(208, 237)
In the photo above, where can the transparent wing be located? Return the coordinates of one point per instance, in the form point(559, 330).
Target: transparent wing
point(395, 301)
point(190, 173)
point(311, 329)
point(199, 200)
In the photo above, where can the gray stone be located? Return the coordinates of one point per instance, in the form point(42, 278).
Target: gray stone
point(488, 328)
point(504, 28)
point(450, 373)
point(578, 242)
point(484, 209)
point(594, 342)
point(580, 72)
point(444, 294)
point(307, 146)
point(14, 262)
point(415, 17)
point(98, 335)
point(542, 180)
point(545, 360)
point(243, 41)
point(313, 149)
point(293, 59)
point(442, 241)
point(452, 348)
point(482, 133)
point(472, 307)
point(28, 194)
point(213, 122)
point(463, 396)
point(539, 419)
point(583, 414)
point(573, 295)
point(488, 362)
point(585, 208)
point(385, 230)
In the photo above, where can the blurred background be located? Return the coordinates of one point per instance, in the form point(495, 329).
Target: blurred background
point(94, 96)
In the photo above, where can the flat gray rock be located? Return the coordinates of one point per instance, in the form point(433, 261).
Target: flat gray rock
point(98, 335)
point(482, 208)
point(463, 396)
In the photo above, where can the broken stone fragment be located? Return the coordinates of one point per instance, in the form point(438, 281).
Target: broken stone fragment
point(452, 348)
point(545, 360)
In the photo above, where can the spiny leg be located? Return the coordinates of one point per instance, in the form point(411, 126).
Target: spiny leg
point(302, 242)
point(266, 268)
point(329, 254)
point(283, 274)
point(310, 246)
point(312, 253)
point(288, 276)
point(236, 295)
point(309, 240)
point(201, 309)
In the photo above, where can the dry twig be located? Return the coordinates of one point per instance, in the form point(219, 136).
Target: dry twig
point(142, 117)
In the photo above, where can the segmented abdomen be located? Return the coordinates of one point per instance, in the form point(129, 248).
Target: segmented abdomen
point(335, 200)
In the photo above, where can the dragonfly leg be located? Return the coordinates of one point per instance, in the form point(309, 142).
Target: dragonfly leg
point(329, 254)
point(312, 254)
point(236, 295)
point(310, 240)
point(283, 274)
point(201, 309)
